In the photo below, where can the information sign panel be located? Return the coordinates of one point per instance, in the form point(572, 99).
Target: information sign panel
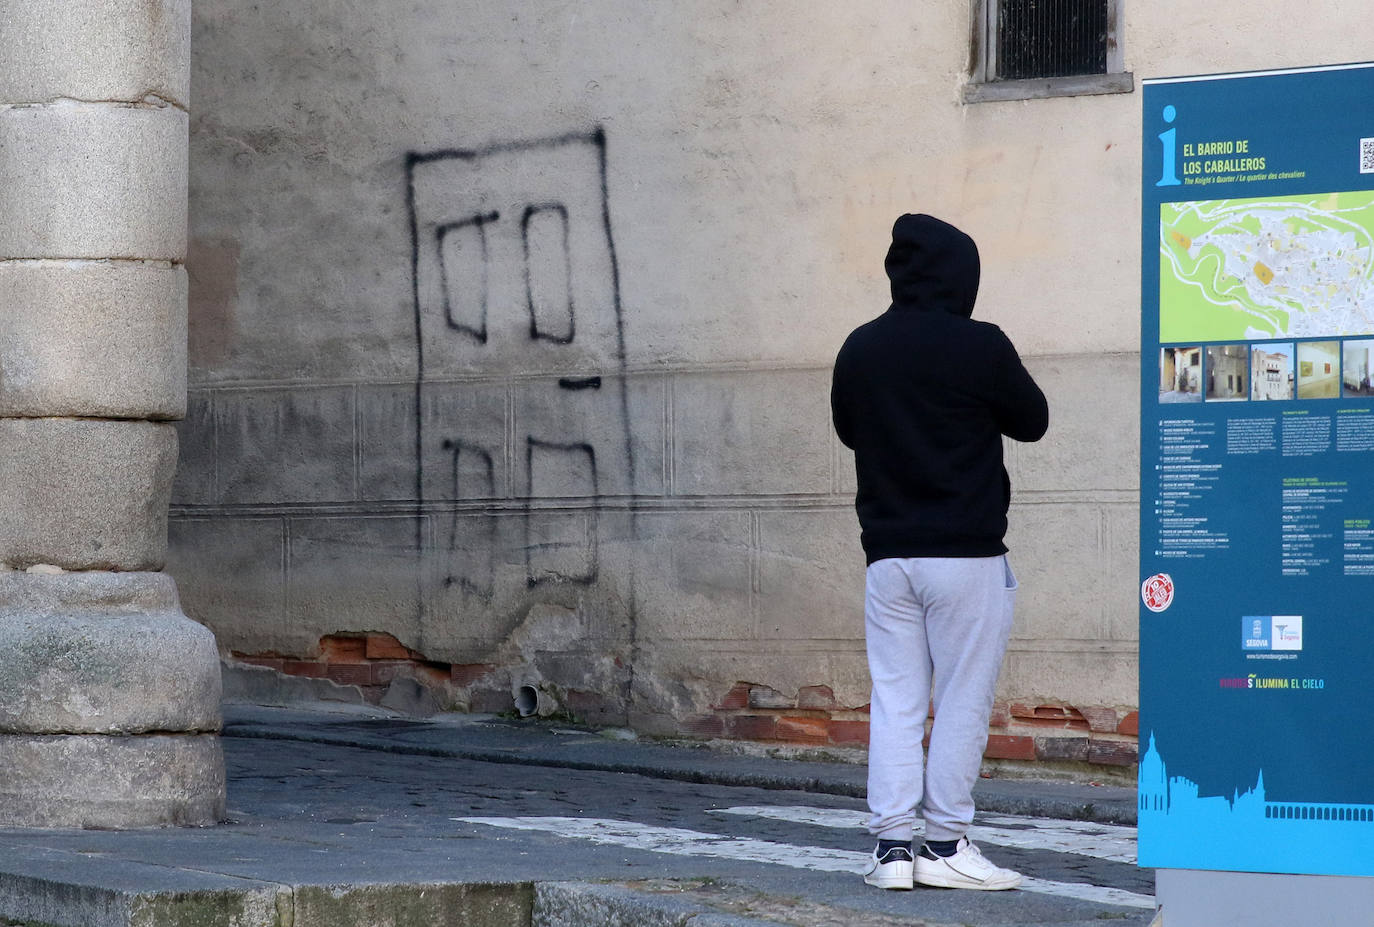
point(1257, 472)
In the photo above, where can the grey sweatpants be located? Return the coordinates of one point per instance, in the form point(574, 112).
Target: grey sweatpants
point(940, 620)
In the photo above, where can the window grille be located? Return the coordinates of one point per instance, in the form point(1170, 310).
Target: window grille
point(1050, 38)
point(1024, 49)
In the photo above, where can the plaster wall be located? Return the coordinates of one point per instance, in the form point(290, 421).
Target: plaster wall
point(511, 328)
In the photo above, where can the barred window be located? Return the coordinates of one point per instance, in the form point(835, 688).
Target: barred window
point(1051, 38)
point(1038, 48)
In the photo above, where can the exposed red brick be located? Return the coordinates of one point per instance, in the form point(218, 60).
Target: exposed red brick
point(1100, 720)
point(1001, 715)
point(312, 668)
point(1061, 748)
point(705, 726)
point(338, 649)
point(434, 675)
point(1010, 747)
point(820, 698)
point(865, 708)
point(804, 730)
point(385, 647)
point(768, 697)
point(1057, 716)
point(384, 671)
point(752, 727)
point(269, 662)
point(1130, 724)
point(465, 674)
point(737, 697)
point(1112, 752)
point(351, 674)
point(849, 732)
point(1062, 723)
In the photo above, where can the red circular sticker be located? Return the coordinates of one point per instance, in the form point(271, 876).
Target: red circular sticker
point(1157, 592)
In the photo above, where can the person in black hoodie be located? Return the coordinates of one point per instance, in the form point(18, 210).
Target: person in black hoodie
point(923, 395)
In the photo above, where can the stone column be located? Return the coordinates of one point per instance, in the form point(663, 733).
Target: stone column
point(109, 695)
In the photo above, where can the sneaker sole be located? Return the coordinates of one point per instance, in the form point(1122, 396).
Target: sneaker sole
point(935, 881)
point(891, 884)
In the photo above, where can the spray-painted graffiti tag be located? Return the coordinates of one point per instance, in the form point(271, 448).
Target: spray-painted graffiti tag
point(516, 281)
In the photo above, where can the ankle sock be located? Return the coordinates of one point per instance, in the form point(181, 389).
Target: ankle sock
point(885, 845)
point(943, 847)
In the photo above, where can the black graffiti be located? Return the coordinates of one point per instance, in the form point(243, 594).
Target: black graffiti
point(462, 205)
point(576, 383)
point(459, 448)
point(538, 331)
point(547, 560)
point(441, 233)
point(479, 576)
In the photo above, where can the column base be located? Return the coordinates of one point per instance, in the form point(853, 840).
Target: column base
point(96, 780)
point(109, 704)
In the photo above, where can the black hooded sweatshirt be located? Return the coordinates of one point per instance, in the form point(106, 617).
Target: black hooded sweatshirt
point(923, 395)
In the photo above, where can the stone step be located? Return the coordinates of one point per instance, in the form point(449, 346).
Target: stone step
point(47, 889)
point(60, 889)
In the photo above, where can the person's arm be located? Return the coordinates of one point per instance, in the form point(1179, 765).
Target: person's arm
point(839, 410)
point(1018, 405)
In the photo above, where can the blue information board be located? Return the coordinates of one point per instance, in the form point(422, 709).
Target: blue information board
point(1257, 472)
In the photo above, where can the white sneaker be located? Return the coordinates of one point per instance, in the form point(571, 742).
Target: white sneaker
point(967, 868)
point(892, 871)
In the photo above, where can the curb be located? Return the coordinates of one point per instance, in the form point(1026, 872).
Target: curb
point(33, 902)
point(588, 904)
point(46, 889)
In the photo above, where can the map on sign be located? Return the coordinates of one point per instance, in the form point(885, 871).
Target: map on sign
point(1275, 267)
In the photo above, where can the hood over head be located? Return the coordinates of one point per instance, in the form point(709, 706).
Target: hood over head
point(932, 265)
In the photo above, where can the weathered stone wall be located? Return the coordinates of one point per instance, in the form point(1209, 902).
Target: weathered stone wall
point(511, 329)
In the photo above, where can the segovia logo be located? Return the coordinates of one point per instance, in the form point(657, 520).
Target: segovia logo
point(1271, 632)
point(1168, 140)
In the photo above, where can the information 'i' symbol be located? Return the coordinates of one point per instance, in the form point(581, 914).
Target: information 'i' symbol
point(1169, 140)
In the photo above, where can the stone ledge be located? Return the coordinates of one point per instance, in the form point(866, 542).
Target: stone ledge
point(76, 890)
point(649, 904)
point(1045, 87)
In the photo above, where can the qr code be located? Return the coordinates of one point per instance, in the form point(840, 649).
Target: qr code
point(1367, 156)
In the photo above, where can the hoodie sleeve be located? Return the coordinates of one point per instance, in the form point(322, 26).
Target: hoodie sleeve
point(1018, 405)
point(839, 412)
